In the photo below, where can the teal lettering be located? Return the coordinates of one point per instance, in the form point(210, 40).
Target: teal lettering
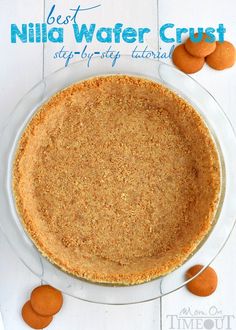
point(84, 32)
point(56, 35)
point(31, 32)
point(38, 32)
point(15, 32)
point(221, 31)
point(107, 37)
point(210, 35)
point(129, 35)
point(141, 33)
point(163, 32)
point(196, 38)
point(179, 33)
point(117, 32)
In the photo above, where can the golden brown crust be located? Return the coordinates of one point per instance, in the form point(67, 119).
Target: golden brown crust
point(116, 180)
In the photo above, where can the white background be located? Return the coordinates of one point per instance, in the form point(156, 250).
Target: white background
point(23, 65)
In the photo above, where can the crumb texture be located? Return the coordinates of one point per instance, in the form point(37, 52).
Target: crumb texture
point(116, 179)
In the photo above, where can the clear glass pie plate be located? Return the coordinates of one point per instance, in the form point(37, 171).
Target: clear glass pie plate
point(221, 131)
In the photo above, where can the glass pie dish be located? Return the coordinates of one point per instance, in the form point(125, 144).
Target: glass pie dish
point(221, 131)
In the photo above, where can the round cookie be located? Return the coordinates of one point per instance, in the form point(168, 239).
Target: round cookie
point(223, 57)
point(46, 300)
point(33, 319)
point(186, 62)
point(201, 48)
point(204, 284)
